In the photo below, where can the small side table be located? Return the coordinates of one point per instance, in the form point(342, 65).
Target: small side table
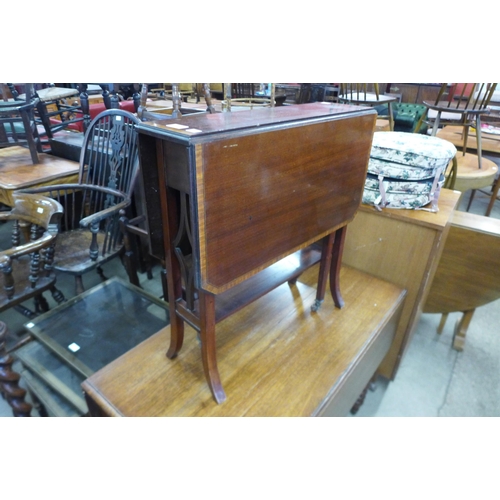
point(87, 332)
point(18, 172)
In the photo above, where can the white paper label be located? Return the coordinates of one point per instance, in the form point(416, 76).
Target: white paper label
point(74, 347)
point(178, 126)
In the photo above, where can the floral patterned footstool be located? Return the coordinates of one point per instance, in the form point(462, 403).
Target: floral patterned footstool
point(406, 170)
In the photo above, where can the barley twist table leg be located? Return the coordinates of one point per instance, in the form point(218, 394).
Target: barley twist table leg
point(9, 380)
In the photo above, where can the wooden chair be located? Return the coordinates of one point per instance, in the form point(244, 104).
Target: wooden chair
point(467, 274)
point(27, 267)
point(242, 95)
point(176, 110)
point(317, 92)
point(464, 104)
point(146, 115)
point(61, 108)
point(90, 233)
point(17, 122)
point(367, 95)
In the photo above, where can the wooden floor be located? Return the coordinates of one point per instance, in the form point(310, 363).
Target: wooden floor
point(275, 357)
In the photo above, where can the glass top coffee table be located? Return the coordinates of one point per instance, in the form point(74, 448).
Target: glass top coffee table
point(96, 327)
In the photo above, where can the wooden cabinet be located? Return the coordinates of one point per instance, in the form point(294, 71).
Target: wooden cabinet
point(403, 247)
point(277, 357)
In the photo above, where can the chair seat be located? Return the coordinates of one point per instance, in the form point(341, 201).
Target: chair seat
point(72, 250)
point(53, 94)
point(452, 109)
point(368, 98)
point(407, 151)
point(469, 176)
point(445, 116)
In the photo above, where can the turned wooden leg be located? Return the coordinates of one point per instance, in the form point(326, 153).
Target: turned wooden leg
point(57, 295)
point(338, 248)
point(79, 285)
point(324, 266)
point(38, 405)
point(9, 380)
point(440, 327)
point(41, 304)
point(359, 402)
point(469, 204)
point(461, 330)
point(494, 194)
point(208, 347)
point(100, 273)
point(361, 399)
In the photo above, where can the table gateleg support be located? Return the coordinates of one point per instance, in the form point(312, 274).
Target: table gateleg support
point(208, 347)
point(174, 287)
point(324, 266)
point(338, 248)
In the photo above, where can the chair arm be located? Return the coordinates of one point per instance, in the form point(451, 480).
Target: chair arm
point(53, 189)
point(27, 248)
point(98, 216)
point(104, 214)
point(76, 186)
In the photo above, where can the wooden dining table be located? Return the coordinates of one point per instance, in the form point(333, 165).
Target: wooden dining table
point(18, 172)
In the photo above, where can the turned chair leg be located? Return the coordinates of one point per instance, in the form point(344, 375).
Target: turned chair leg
point(440, 327)
point(494, 194)
point(9, 380)
point(79, 288)
point(461, 330)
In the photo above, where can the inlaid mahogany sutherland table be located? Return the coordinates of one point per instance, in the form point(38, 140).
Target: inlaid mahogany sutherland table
point(278, 357)
point(229, 195)
point(234, 203)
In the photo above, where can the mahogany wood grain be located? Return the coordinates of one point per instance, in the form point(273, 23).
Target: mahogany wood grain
point(284, 188)
point(404, 247)
point(276, 357)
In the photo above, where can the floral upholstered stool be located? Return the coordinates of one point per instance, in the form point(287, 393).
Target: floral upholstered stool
point(406, 170)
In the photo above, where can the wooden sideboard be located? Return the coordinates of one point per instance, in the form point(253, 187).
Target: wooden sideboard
point(276, 356)
point(229, 195)
point(403, 247)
